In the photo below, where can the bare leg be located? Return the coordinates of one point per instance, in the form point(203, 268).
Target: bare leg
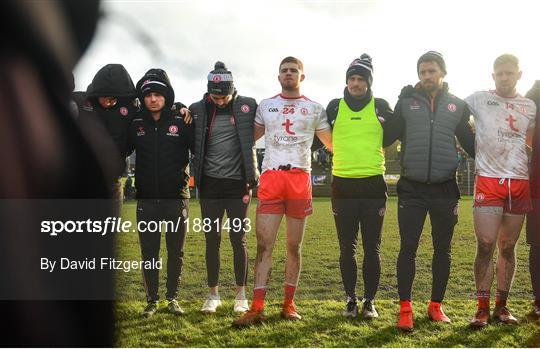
point(267, 228)
point(506, 262)
point(486, 227)
point(295, 235)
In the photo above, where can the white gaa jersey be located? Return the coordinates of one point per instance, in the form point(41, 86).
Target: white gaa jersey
point(290, 125)
point(501, 128)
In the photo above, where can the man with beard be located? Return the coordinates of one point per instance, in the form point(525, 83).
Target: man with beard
point(358, 188)
point(429, 118)
point(162, 141)
point(505, 124)
point(225, 167)
point(289, 122)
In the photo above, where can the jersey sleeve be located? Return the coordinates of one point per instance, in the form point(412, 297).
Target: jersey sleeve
point(532, 114)
point(471, 102)
point(322, 121)
point(259, 120)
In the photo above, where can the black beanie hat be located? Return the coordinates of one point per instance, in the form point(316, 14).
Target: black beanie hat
point(156, 80)
point(432, 56)
point(361, 66)
point(220, 80)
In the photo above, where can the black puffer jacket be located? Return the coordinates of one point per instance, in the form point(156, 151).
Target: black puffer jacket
point(243, 110)
point(162, 148)
point(429, 128)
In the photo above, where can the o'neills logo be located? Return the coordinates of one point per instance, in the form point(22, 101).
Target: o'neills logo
point(173, 131)
point(140, 131)
point(285, 139)
point(480, 197)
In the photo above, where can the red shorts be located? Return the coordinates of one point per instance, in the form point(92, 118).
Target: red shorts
point(285, 192)
point(514, 195)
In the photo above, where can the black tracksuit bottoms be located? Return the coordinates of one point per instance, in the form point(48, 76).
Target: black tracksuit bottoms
point(169, 210)
point(220, 195)
point(415, 201)
point(359, 203)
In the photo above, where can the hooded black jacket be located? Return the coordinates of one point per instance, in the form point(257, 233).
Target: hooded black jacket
point(162, 148)
point(112, 80)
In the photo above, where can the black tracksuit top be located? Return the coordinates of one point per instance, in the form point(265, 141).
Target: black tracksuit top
point(163, 150)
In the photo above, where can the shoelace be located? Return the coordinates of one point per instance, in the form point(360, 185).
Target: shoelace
point(368, 306)
point(351, 306)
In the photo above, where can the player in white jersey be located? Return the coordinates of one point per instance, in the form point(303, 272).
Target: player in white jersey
point(505, 123)
point(289, 122)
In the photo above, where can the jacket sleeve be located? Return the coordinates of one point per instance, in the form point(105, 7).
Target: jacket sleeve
point(190, 132)
point(393, 124)
point(331, 112)
point(130, 140)
point(465, 134)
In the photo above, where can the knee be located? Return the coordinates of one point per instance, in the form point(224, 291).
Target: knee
point(347, 248)
point(507, 249)
point(442, 250)
point(213, 240)
point(238, 241)
point(484, 248)
point(264, 247)
point(294, 249)
point(372, 250)
point(408, 250)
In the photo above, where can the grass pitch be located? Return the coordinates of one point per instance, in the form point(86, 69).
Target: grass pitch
point(320, 296)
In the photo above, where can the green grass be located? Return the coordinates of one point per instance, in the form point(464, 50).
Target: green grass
point(320, 296)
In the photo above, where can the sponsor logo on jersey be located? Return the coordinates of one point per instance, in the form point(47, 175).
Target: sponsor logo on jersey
point(273, 110)
point(511, 121)
point(288, 125)
point(124, 111)
point(285, 139)
point(495, 103)
point(173, 131)
point(244, 108)
point(140, 131)
point(452, 107)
